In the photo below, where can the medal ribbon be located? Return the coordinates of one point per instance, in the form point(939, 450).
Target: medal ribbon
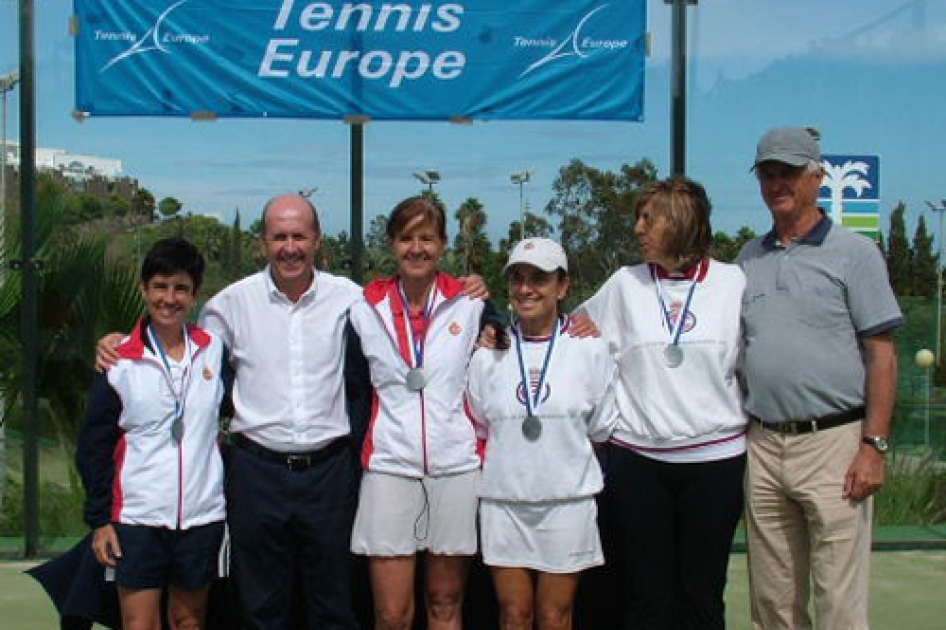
point(179, 402)
point(532, 400)
point(416, 345)
point(675, 331)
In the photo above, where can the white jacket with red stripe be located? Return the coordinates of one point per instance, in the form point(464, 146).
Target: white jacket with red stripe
point(418, 433)
point(133, 469)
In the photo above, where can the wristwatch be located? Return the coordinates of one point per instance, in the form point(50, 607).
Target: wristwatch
point(878, 442)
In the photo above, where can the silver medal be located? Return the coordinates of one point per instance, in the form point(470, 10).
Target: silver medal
point(532, 428)
point(673, 355)
point(416, 379)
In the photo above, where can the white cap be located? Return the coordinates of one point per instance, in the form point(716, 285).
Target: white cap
point(543, 253)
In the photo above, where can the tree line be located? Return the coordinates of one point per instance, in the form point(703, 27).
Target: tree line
point(92, 249)
point(89, 284)
point(913, 267)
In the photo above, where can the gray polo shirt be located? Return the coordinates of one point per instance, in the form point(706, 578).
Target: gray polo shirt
point(805, 308)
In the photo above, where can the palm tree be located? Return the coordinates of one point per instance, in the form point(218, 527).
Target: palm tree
point(82, 295)
point(839, 177)
point(471, 238)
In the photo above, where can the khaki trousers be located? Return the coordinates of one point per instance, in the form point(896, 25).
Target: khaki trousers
point(803, 537)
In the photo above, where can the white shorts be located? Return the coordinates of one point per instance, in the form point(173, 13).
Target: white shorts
point(399, 516)
point(553, 536)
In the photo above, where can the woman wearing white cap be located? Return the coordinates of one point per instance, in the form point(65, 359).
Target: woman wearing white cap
point(539, 406)
point(677, 456)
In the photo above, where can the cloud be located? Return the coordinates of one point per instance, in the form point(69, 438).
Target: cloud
point(888, 46)
point(740, 37)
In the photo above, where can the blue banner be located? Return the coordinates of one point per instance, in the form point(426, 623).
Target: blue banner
point(395, 60)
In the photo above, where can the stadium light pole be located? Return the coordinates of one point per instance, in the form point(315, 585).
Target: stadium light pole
point(520, 179)
point(428, 178)
point(940, 209)
point(7, 83)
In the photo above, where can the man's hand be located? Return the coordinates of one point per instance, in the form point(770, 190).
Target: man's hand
point(106, 353)
point(865, 475)
point(581, 326)
point(106, 547)
point(475, 287)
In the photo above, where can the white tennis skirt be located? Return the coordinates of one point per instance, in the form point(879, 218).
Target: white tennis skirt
point(553, 536)
point(400, 516)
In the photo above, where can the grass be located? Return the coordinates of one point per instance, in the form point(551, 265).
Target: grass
point(914, 489)
point(906, 593)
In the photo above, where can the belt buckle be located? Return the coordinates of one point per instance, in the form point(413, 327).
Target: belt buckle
point(298, 462)
point(801, 427)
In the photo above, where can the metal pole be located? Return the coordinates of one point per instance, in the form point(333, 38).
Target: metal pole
point(926, 415)
point(940, 209)
point(7, 83)
point(3, 192)
point(939, 286)
point(3, 277)
point(520, 180)
point(522, 211)
point(678, 102)
point(29, 268)
point(357, 201)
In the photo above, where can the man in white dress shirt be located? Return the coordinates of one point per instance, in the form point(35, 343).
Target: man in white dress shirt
point(291, 477)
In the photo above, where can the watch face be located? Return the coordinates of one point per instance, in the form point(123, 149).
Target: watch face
point(877, 442)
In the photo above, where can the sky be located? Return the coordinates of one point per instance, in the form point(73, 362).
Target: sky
point(870, 74)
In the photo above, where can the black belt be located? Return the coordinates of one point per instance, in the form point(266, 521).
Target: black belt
point(814, 425)
point(292, 461)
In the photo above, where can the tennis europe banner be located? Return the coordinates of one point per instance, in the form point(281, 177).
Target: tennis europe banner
point(395, 60)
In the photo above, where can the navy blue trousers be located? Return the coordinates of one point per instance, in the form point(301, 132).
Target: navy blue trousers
point(670, 528)
point(290, 534)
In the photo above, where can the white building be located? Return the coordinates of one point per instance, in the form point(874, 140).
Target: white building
point(75, 167)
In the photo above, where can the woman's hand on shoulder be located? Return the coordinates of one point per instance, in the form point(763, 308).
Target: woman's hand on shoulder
point(475, 287)
point(582, 326)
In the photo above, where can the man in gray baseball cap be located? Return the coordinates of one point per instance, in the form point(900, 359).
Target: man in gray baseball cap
point(795, 146)
point(820, 370)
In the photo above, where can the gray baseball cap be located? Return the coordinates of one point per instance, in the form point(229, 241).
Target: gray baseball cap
point(795, 146)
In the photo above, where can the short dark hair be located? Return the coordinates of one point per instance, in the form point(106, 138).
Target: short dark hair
point(173, 255)
point(413, 207)
point(686, 207)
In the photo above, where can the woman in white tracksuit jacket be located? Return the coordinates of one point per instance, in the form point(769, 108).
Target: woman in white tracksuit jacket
point(419, 490)
point(539, 406)
point(148, 451)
